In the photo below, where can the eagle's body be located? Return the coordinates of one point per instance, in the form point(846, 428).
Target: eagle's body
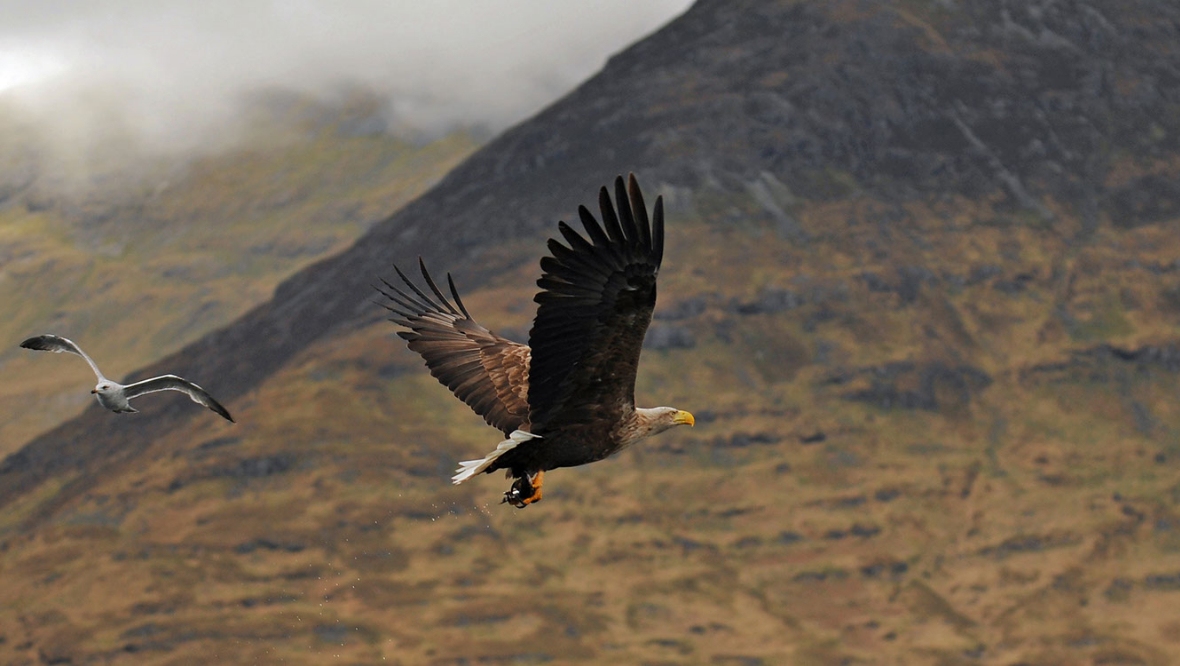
point(568, 397)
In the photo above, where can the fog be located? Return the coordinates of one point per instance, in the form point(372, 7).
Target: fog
point(152, 76)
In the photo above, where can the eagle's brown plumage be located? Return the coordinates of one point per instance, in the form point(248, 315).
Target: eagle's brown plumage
point(568, 398)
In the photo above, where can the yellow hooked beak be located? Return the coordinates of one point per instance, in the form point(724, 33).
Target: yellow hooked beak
point(683, 417)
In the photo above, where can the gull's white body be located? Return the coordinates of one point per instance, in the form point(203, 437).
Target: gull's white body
point(117, 397)
point(114, 398)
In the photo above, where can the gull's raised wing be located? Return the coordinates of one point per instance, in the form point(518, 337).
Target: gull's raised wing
point(58, 344)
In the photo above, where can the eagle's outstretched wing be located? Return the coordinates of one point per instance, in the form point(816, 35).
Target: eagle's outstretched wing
point(595, 306)
point(484, 370)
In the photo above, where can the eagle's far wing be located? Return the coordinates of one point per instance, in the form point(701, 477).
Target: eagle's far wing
point(484, 370)
point(595, 306)
point(174, 383)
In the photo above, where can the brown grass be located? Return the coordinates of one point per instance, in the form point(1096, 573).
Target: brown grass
point(1030, 519)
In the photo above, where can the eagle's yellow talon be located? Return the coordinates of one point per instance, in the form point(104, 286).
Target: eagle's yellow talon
point(524, 491)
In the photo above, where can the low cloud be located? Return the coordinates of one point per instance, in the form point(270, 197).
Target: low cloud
point(175, 76)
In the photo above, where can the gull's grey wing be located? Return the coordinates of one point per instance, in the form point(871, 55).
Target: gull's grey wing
point(58, 344)
point(174, 383)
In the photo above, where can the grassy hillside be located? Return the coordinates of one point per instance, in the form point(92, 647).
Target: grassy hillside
point(948, 439)
point(136, 269)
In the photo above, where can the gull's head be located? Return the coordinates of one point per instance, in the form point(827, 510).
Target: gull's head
point(104, 387)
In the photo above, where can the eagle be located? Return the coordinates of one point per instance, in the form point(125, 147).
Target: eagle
point(567, 398)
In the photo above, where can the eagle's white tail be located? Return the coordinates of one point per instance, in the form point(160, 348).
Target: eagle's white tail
point(469, 468)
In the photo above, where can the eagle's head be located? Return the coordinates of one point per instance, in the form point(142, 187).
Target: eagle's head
point(654, 420)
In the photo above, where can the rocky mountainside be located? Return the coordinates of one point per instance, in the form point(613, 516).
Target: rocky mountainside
point(921, 290)
point(771, 102)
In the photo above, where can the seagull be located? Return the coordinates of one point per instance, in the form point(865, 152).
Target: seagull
point(115, 396)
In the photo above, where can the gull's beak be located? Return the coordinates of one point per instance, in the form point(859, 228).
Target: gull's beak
point(93, 391)
point(683, 417)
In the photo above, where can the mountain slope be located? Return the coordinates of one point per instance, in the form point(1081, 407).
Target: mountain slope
point(187, 248)
point(920, 291)
point(882, 107)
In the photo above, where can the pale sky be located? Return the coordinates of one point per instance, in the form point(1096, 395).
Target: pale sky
point(174, 71)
